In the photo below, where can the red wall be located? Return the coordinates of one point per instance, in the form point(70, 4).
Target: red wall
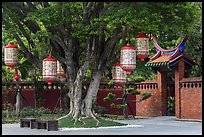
point(49, 98)
point(119, 93)
point(190, 103)
point(148, 107)
point(191, 98)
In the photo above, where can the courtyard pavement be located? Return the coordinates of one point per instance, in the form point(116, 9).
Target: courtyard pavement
point(164, 125)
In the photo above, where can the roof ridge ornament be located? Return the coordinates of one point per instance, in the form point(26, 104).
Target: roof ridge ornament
point(180, 45)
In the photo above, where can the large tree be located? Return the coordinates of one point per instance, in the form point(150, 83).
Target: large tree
point(88, 35)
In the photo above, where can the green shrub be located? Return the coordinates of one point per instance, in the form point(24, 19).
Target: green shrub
point(113, 105)
point(109, 97)
point(139, 79)
point(135, 92)
point(129, 89)
point(111, 82)
point(171, 103)
point(121, 106)
point(100, 110)
point(146, 95)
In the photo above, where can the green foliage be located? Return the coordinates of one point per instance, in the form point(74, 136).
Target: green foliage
point(118, 106)
point(109, 97)
point(171, 103)
point(111, 82)
point(169, 21)
point(88, 75)
point(139, 79)
point(135, 92)
point(100, 110)
point(121, 106)
point(129, 89)
point(136, 79)
point(146, 95)
point(132, 91)
point(113, 105)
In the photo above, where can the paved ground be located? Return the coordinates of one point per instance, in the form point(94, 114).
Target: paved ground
point(165, 125)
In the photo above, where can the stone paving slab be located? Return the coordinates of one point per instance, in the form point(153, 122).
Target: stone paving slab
point(166, 125)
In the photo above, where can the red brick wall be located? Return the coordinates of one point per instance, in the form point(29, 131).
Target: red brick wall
point(118, 94)
point(191, 98)
point(48, 96)
point(149, 107)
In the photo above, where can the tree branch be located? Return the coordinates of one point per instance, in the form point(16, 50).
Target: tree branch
point(28, 55)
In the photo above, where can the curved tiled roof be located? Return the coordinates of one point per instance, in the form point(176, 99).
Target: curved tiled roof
point(165, 57)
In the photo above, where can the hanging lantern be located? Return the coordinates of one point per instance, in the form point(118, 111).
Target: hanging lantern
point(49, 70)
point(60, 71)
point(119, 75)
point(142, 46)
point(128, 58)
point(11, 55)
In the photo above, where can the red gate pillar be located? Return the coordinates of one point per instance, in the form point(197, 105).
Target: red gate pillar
point(162, 83)
point(179, 74)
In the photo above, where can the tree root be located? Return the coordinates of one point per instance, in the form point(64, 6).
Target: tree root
point(69, 114)
point(63, 117)
point(91, 115)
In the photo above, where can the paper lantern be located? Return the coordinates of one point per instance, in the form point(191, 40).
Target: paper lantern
point(11, 55)
point(142, 46)
point(49, 70)
point(119, 75)
point(128, 58)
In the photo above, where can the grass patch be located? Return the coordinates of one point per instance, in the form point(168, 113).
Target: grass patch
point(11, 120)
point(89, 123)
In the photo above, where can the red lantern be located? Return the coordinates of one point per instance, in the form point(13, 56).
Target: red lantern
point(60, 71)
point(142, 46)
point(119, 75)
point(11, 55)
point(49, 69)
point(128, 58)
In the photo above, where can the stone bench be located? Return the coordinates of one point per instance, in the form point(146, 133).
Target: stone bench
point(33, 123)
point(26, 122)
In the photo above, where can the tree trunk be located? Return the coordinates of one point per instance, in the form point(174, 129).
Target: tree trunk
point(18, 104)
point(92, 93)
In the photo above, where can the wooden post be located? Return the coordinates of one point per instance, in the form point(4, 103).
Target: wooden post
point(162, 83)
point(18, 101)
point(179, 74)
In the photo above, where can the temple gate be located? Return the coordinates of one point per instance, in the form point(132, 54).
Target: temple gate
point(173, 64)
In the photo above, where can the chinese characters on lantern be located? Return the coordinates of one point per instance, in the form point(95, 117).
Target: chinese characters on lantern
point(128, 58)
point(11, 55)
point(49, 70)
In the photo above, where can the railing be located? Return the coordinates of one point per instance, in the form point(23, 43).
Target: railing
point(146, 85)
point(149, 84)
point(191, 82)
point(32, 85)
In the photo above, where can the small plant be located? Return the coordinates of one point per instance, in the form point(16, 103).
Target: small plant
point(146, 95)
point(129, 89)
point(109, 97)
point(100, 110)
point(171, 103)
point(111, 82)
point(135, 92)
point(139, 79)
point(119, 106)
point(132, 91)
